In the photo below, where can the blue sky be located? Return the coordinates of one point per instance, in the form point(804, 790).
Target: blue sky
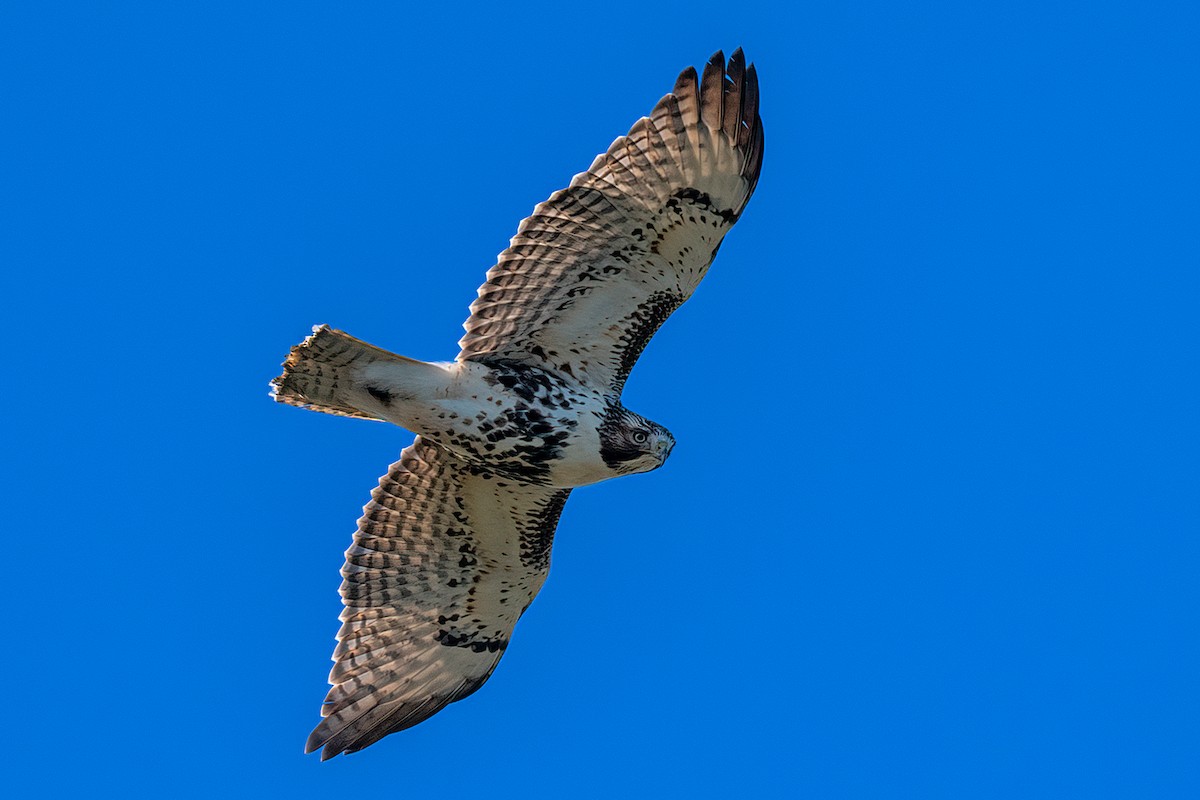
point(931, 526)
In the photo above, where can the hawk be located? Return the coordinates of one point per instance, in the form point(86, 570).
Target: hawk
point(455, 542)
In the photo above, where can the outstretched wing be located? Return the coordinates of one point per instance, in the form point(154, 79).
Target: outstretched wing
point(599, 266)
point(446, 558)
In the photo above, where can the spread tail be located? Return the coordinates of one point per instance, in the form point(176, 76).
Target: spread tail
point(326, 372)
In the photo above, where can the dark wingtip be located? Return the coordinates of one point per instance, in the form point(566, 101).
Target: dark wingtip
point(685, 82)
point(735, 83)
point(712, 91)
point(751, 136)
point(322, 737)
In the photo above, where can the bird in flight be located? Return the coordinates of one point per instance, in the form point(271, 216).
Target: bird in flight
point(455, 542)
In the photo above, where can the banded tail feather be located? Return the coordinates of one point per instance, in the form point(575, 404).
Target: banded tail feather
point(335, 373)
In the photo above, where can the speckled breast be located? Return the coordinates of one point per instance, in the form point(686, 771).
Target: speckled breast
point(525, 423)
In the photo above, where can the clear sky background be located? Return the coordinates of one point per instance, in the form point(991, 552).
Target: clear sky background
point(931, 528)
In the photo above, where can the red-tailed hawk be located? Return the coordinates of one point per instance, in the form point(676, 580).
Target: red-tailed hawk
point(455, 542)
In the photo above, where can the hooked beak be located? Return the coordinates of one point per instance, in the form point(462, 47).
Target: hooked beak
point(662, 448)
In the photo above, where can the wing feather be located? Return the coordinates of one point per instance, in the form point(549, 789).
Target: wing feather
point(731, 114)
point(446, 558)
point(597, 268)
point(712, 91)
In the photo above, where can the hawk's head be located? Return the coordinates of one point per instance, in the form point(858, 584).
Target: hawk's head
point(631, 443)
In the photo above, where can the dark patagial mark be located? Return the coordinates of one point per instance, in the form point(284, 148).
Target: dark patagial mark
point(538, 537)
point(641, 325)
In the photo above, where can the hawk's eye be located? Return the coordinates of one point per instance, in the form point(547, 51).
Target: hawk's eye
point(639, 437)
